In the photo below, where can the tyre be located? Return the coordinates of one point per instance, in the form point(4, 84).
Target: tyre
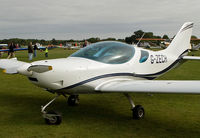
point(54, 118)
point(138, 112)
point(73, 100)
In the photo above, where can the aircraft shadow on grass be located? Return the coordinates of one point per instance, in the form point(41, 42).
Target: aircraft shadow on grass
point(84, 113)
point(23, 104)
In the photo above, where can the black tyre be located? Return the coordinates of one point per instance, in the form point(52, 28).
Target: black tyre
point(55, 118)
point(73, 100)
point(138, 112)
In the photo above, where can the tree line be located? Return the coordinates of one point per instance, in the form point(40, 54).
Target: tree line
point(25, 42)
point(129, 39)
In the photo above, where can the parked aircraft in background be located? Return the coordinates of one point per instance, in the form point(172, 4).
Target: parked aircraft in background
point(109, 67)
point(20, 49)
point(3, 45)
point(195, 47)
point(69, 46)
point(3, 49)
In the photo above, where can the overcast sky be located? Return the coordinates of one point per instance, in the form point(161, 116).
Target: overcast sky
point(81, 19)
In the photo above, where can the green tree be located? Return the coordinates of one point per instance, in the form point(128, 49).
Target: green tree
point(165, 36)
point(194, 37)
point(139, 33)
point(54, 42)
point(43, 42)
point(131, 39)
point(93, 40)
point(121, 40)
point(109, 39)
point(148, 35)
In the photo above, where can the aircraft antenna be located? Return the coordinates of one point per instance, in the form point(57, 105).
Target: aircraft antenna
point(140, 39)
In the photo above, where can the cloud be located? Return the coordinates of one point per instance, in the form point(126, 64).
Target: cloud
point(115, 18)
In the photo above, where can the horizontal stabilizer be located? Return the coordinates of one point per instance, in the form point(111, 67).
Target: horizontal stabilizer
point(150, 86)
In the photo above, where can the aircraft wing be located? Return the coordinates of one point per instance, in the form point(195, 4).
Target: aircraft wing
point(16, 49)
point(191, 58)
point(150, 86)
point(19, 49)
point(11, 66)
point(4, 50)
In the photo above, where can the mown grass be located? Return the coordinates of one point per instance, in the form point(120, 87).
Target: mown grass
point(97, 116)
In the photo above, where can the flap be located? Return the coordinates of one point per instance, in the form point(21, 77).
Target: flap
point(150, 86)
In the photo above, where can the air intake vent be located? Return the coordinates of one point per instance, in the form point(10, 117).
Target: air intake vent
point(32, 79)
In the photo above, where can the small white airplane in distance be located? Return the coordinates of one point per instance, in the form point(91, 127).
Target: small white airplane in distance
point(3, 45)
point(109, 67)
point(69, 46)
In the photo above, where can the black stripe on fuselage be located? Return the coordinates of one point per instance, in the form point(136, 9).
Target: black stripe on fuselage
point(99, 77)
point(146, 76)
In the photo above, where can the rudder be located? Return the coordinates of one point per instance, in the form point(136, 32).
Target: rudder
point(181, 42)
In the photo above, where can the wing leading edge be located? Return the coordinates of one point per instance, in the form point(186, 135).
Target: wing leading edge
point(16, 49)
point(150, 86)
point(191, 58)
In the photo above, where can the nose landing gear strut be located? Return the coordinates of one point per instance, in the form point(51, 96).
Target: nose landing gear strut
point(51, 117)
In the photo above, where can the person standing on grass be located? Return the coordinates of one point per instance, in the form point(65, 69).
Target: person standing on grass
point(11, 51)
point(35, 48)
point(46, 52)
point(30, 51)
point(1, 53)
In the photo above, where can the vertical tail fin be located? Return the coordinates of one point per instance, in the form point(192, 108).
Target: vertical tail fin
point(181, 42)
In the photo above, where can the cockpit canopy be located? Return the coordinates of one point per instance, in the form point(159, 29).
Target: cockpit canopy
point(109, 52)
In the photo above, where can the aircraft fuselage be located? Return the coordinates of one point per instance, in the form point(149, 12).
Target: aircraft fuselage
point(75, 75)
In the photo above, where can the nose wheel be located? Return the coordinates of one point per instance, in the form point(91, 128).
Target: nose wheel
point(51, 117)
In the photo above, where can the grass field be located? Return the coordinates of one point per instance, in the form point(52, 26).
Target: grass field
point(98, 116)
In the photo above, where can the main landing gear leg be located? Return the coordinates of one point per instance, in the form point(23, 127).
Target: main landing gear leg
point(51, 117)
point(138, 110)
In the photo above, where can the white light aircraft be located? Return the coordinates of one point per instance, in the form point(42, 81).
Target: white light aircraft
point(3, 45)
point(108, 67)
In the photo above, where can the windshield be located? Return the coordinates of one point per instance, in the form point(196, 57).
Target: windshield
point(107, 52)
